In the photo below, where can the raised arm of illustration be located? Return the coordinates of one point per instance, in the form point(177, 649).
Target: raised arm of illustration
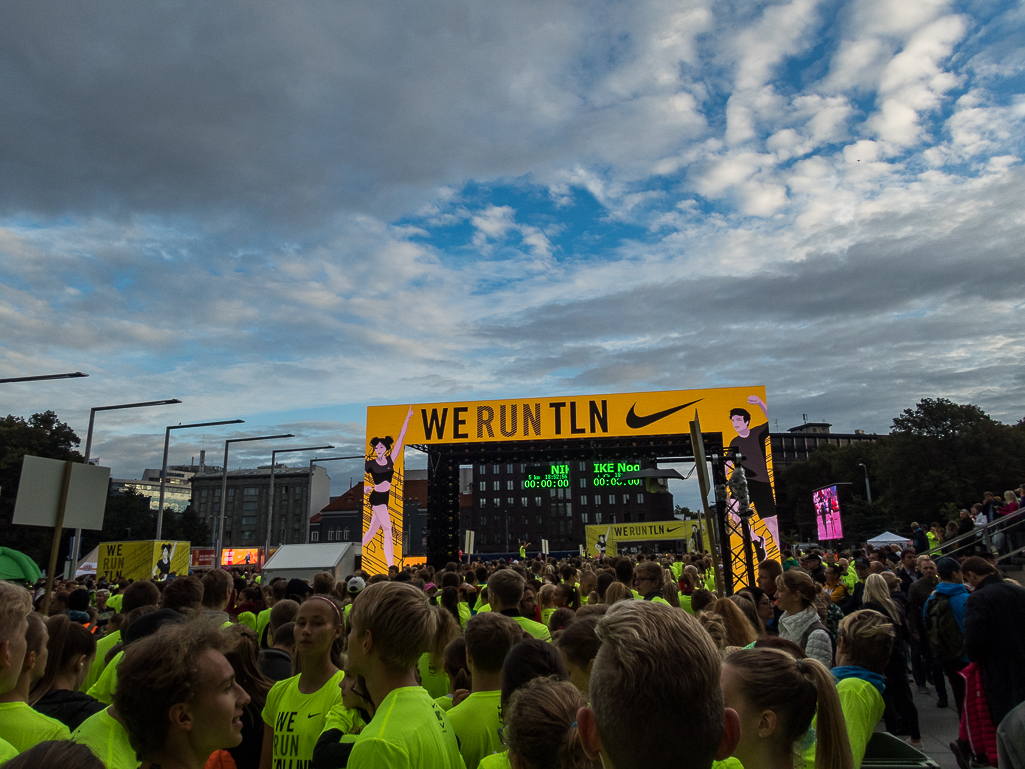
point(396, 450)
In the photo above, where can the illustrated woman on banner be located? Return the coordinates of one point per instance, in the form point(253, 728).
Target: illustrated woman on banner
point(382, 468)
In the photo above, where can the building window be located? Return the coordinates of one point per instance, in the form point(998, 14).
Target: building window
point(523, 501)
point(314, 536)
point(483, 485)
point(583, 466)
point(626, 498)
point(299, 504)
point(217, 507)
point(248, 534)
point(583, 499)
point(523, 469)
point(498, 502)
point(483, 502)
point(217, 493)
point(509, 484)
point(583, 483)
point(483, 520)
point(483, 469)
point(202, 507)
point(540, 519)
point(497, 469)
point(248, 520)
point(597, 517)
point(330, 535)
point(497, 485)
point(251, 491)
point(345, 534)
point(640, 497)
point(613, 516)
point(583, 518)
point(202, 493)
point(537, 501)
point(248, 505)
point(597, 499)
point(509, 469)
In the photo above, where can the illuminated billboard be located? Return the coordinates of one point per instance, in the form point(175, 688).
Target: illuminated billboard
point(739, 414)
point(827, 513)
point(241, 556)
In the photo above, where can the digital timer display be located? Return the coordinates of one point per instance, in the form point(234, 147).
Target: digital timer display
point(546, 477)
point(610, 474)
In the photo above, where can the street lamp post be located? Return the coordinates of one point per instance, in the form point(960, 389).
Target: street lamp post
point(163, 466)
point(309, 492)
point(75, 554)
point(224, 485)
point(72, 375)
point(868, 489)
point(270, 506)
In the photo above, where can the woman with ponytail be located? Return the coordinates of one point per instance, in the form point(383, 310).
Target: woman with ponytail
point(296, 708)
point(432, 662)
point(776, 697)
point(71, 649)
point(391, 626)
point(541, 727)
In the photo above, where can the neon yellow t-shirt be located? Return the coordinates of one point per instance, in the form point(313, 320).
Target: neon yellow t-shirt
point(103, 689)
point(495, 761)
point(862, 706)
point(677, 567)
point(536, 629)
point(7, 751)
point(433, 679)
point(346, 720)
point(481, 608)
point(464, 613)
point(262, 620)
point(298, 719)
point(248, 619)
point(685, 603)
point(445, 703)
point(476, 721)
point(107, 738)
point(114, 602)
point(546, 615)
point(410, 731)
point(103, 646)
point(25, 727)
point(728, 763)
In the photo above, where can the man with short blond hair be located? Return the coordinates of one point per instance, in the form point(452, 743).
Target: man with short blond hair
point(505, 591)
point(655, 695)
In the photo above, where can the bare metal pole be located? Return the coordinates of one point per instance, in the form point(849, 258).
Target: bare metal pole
point(163, 467)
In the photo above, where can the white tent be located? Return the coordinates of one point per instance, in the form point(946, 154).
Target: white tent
point(87, 566)
point(304, 561)
point(888, 538)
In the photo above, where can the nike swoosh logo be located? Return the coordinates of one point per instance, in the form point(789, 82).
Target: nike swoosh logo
point(635, 422)
point(311, 715)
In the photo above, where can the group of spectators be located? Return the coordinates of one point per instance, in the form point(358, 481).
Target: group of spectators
point(1005, 539)
point(614, 662)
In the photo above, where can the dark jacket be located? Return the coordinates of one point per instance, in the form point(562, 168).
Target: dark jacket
point(68, 707)
point(275, 664)
point(918, 594)
point(994, 628)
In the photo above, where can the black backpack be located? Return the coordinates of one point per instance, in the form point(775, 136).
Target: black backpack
point(946, 641)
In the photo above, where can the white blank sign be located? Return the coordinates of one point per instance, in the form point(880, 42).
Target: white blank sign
point(39, 492)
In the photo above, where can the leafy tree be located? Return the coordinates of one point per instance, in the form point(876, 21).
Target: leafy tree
point(41, 435)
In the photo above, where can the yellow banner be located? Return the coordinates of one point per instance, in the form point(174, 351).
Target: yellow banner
point(144, 559)
point(605, 539)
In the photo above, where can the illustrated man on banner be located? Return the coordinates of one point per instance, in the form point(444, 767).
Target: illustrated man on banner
point(750, 442)
point(381, 467)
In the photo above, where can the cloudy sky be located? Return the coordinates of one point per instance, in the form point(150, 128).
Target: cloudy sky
point(285, 212)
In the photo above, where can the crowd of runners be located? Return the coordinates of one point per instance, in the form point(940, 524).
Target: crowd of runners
point(618, 662)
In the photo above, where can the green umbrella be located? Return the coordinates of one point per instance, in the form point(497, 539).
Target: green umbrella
point(15, 565)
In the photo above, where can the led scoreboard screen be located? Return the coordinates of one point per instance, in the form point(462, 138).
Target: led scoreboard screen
point(557, 475)
point(547, 476)
point(610, 474)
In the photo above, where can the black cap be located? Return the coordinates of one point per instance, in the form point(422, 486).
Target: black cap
point(298, 589)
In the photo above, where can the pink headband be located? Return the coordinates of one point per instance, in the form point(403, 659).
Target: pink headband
point(333, 606)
